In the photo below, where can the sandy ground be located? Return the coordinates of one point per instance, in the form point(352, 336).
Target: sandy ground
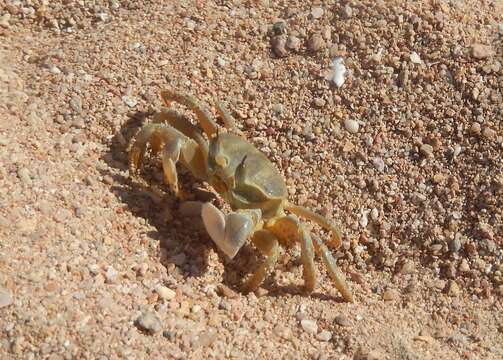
point(406, 155)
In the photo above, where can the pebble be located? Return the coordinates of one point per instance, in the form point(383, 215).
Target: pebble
point(481, 51)
point(454, 245)
point(319, 102)
point(453, 289)
point(5, 297)
point(390, 295)
point(464, 266)
point(408, 267)
point(342, 320)
point(149, 322)
point(278, 45)
point(225, 291)
point(324, 335)
point(129, 101)
point(317, 12)
point(414, 58)
point(316, 42)
point(309, 326)
point(426, 150)
point(374, 214)
point(337, 74)
point(76, 104)
point(165, 293)
point(351, 125)
point(24, 175)
point(347, 11)
point(53, 69)
point(111, 275)
point(277, 109)
point(293, 43)
point(378, 163)
point(4, 20)
point(102, 16)
point(489, 133)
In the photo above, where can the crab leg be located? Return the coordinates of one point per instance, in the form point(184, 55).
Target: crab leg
point(288, 229)
point(174, 146)
point(334, 273)
point(267, 243)
point(227, 118)
point(336, 239)
point(203, 115)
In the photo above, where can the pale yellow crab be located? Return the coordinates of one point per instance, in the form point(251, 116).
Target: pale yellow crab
point(247, 180)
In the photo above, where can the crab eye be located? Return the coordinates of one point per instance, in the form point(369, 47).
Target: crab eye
point(221, 160)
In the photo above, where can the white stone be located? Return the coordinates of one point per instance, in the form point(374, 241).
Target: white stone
point(338, 71)
point(164, 292)
point(351, 125)
point(317, 12)
point(324, 335)
point(414, 58)
point(378, 163)
point(129, 101)
point(309, 326)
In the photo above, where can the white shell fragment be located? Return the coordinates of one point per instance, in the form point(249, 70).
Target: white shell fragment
point(338, 72)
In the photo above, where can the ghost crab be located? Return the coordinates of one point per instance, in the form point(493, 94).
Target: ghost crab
point(246, 179)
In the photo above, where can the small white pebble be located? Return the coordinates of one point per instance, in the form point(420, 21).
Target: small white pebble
point(414, 58)
point(317, 12)
point(364, 221)
point(374, 214)
point(129, 101)
point(191, 25)
point(94, 269)
point(351, 125)
point(309, 326)
point(325, 335)
point(221, 62)
point(53, 69)
point(338, 72)
point(457, 150)
point(111, 275)
point(378, 163)
point(102, 16)
point(165, 293)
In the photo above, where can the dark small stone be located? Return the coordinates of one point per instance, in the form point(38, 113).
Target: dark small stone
point(168, 335)
point(279, 27)
point(454, 245)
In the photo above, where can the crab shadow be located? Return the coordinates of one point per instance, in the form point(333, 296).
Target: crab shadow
point(182, 238)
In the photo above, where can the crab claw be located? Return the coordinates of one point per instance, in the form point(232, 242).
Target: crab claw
point(228, 232)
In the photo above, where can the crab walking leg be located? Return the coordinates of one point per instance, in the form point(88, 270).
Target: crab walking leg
point(307, 258)
point(174, 146)
point(336, 239)
point(288, 229)
point(268, 245)
point(227, 118)
point(170, 155)
point(334, 273)
point(203, 115)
